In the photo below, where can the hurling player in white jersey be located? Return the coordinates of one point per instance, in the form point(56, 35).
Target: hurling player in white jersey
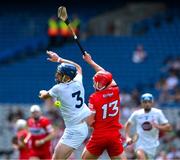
point(69, 91)
point(148, 121)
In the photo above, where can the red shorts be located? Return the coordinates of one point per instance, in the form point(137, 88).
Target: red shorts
point(111, 142)
point(41, 154)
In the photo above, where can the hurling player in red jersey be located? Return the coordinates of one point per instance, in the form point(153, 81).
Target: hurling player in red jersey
point(41, 133)
point(18, 140)
point(105, 103)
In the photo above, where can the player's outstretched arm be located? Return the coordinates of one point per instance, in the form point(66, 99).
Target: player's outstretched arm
point(127, 129)
point(54, 57)
point(43, 94)
point(87, 57)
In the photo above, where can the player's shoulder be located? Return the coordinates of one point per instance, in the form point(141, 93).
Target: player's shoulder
point(114, 87)
point(44, 118)
point(30, 120)
point(78, 78)
point(56, 86)
point(156, 110)
point(95, 94)
point(94, 97)
point(22, 132)
point(139, 111)
point(45, 121)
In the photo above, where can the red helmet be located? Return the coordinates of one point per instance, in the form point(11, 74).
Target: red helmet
point(102, 79)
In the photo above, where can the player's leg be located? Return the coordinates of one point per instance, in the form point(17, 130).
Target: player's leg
point(33, 154)
point(62, 151)
point(72, 138)
point(146, 153)
point(34, 158)
point(115, 148)
point(94, 147)
point(141, 155)
point(46, 154)
point(87, 155)
point(121, 156)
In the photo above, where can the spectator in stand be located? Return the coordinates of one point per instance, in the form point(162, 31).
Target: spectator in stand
point(174, 154)
point(176, 96)
point(172, 80)
point(176, 66)
point(65, 33)
point(162, 156)
point(162, 91)
point(53, 31)
point(139, 54)
point(135, 97)
point(171, 64)
point(76, 24)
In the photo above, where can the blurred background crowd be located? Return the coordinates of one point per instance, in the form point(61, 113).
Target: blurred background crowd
point(138, 41)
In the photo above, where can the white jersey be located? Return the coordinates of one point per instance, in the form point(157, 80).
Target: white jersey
point(71, 95)
point(148, 136)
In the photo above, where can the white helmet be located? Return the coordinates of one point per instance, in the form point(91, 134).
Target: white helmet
point(20, 124)
point(35, 108)
point(147, 97)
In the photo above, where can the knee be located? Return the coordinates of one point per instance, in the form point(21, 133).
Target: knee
point(141, 155)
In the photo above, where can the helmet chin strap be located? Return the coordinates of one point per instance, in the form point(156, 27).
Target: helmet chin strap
point(97, 88)
point(63, 79)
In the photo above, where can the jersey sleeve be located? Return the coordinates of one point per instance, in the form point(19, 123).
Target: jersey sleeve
point(91, 104)
point(54, 91)
point(47, 125)
point(162, 118)
point(132, 118)
point(78, 78)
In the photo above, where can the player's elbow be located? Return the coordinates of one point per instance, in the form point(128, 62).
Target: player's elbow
point(169, 128)
point(90, 119)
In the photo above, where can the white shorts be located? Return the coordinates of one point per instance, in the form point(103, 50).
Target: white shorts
point(74, 136)
point(150, 152)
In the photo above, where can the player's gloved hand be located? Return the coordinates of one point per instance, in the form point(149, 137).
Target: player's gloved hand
point(53, 57)
point(42, 93)
point(39, 142)
point(129, 140)
point(87, 57)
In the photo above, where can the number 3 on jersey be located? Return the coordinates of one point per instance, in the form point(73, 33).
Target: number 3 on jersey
point(114, 107)
point(78, 98)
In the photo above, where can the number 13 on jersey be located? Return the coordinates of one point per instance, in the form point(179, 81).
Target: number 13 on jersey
point(114, 110)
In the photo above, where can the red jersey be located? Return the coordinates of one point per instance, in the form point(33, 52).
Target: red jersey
point(106, 104)
point(39, 130)
point(23, 152)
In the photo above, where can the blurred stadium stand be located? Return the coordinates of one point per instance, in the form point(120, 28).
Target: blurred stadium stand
point(114, 53)
point(24, 69)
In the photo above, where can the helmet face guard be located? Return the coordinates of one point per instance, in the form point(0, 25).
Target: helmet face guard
point(65, 73)
point(59, 77)
point(101, 80)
